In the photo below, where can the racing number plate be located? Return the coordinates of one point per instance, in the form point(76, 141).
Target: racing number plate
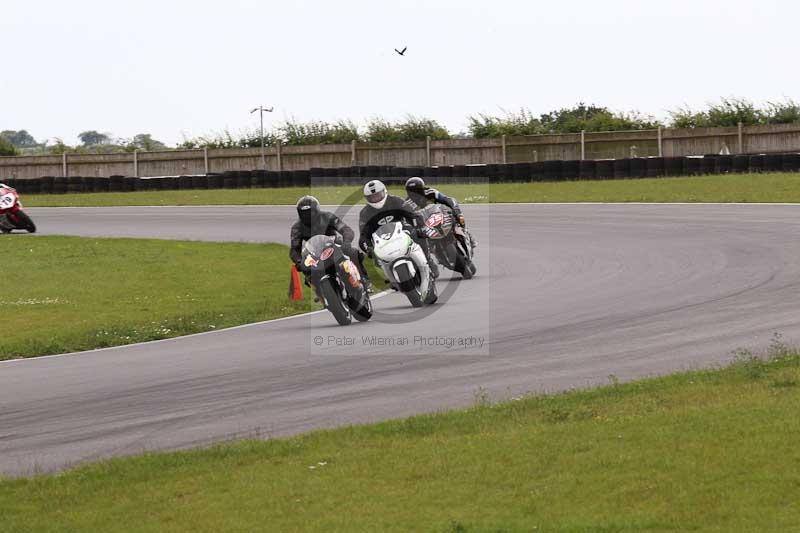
point(434, 220)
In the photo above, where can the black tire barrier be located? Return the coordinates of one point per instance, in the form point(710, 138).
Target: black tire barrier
point(790, 162)
point(459, 171)
point(492, 172)
point(741, 163)
point(537, 171)
point(707, 165)
point(447, 171)
point(12, 182)
point(270, 179)
point(75, 184)
point(723, 164)
point(587, 169)
point(655, 167)
point(60, 185)
point(229, 179)
point(622, 168)
point(604, 169)
point(243, 179)
point(518, 172)
point(301, 178)
point(115, 183)
point(638, 167)
point(46, 184)
point(691, 166)
point(477, 173)
point(199, 182)
point(258, 179)
point(570, 170)
point(773, 163)
point(757, 163)
point(130, 184)
point(673, 166)
point(552, 170)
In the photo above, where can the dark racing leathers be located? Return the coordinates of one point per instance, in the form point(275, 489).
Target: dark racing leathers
point(418, 201)
point(394, 210)
point(326, 224)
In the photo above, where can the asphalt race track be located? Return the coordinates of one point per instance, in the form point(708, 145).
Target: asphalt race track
point(566, 296)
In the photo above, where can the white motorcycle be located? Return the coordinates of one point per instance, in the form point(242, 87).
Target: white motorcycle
point(404, 264)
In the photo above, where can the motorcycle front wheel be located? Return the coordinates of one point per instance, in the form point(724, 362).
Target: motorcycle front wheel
point(334, 303)
point(25, 222)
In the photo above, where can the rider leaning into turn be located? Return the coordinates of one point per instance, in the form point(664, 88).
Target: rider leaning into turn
point(419, 195)
point(313, 221)
point(383, 208)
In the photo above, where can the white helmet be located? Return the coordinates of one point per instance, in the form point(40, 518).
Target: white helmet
point(375, 193)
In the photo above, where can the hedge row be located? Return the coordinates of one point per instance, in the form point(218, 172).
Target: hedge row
point(514, 172)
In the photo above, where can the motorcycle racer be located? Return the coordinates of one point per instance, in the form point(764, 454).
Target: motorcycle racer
point(419, 195)
point(383, 208)
point(313, 221)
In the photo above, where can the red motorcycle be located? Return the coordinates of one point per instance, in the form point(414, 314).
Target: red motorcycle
point(11, 214)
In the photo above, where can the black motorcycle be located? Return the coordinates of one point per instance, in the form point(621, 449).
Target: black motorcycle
point(336, 280)
point(449, 242)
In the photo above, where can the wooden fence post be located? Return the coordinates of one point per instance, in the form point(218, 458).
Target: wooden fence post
point(428, 151)
point(503, 145)
point(583, 145)
point(741, 143)
point(660, 149)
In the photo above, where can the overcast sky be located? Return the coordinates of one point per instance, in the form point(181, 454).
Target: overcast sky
point(174, 68)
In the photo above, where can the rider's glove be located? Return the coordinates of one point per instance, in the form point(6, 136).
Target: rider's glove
point(460, 218)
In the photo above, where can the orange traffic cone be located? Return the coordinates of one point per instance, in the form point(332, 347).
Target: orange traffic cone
point(295, 287)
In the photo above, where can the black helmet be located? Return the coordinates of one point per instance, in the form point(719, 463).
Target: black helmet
point(415, 185)
point(308, 210)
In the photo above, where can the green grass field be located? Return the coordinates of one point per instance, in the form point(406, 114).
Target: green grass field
point(712, 450)
point(64, 294)
point(772, 187)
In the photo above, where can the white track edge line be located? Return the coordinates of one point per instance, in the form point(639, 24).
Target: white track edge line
point(210, 332)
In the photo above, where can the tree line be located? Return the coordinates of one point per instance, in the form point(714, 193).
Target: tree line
point(581, 117)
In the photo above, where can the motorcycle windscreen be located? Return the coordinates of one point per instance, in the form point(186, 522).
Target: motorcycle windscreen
point(316, 244)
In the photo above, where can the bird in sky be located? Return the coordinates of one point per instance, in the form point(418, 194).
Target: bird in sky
point(401, 52)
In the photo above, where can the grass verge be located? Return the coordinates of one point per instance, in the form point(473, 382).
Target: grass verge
point(63, 294)
point(772, 187)
point(712, 450)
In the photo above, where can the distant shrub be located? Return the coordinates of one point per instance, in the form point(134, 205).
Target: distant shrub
point(6, 148)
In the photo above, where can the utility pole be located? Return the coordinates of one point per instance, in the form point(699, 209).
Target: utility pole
point(261, 109)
